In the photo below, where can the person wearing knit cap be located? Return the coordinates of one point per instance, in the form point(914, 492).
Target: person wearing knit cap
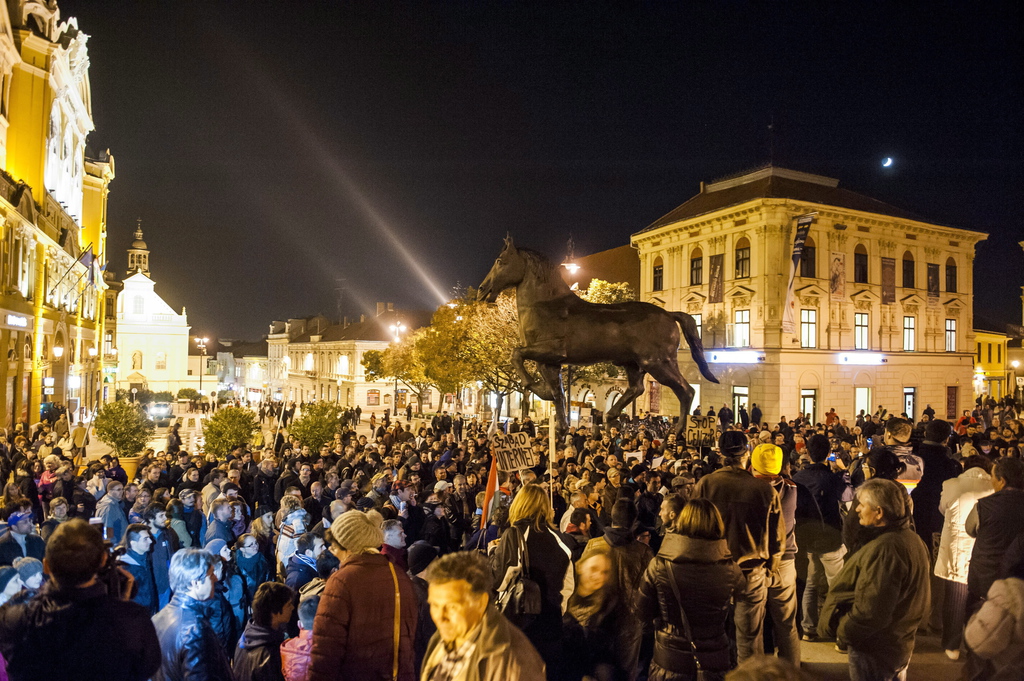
point(365, 591)
point(755, 532)
point(31, 572)
point(767, 462)
point(10, 584)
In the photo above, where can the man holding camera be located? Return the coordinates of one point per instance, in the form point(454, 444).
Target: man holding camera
point(66, 631)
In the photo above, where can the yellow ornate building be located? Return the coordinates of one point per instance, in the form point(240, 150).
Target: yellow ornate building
point(881, 303)
point(53, 204)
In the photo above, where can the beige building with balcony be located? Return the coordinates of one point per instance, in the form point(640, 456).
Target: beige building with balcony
point(881, 299)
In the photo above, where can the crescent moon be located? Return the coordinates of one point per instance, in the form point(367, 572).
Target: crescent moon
point(887, 162)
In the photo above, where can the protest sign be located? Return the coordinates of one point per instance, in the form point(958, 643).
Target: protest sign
point(702, 431)
point(514, 452)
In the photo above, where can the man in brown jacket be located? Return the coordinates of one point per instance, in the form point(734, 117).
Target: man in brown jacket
point(755, 531)
point(474, 642)
point(366, 622)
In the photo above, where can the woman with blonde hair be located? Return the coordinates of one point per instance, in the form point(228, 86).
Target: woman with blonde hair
point(694, 576)
point(532, 547)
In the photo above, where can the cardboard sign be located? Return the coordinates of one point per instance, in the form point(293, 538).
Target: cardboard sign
point(702, 431)
point(514, 452)
point(639, 456)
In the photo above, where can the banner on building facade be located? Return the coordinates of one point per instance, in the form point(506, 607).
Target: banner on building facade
point(888, 281)
point(716, 278)
point(837, 277)
point(933, 284)
point(803, 225)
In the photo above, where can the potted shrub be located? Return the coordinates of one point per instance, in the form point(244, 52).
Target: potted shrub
point(127, 428)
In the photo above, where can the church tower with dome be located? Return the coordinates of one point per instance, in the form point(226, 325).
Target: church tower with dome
point(138, 254)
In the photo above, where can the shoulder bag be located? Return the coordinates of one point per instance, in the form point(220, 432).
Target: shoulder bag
point(520, 602)
point(701, 676)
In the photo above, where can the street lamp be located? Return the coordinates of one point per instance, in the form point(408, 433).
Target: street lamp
point(397, 329)
point(1016, 388)
point(201, 344)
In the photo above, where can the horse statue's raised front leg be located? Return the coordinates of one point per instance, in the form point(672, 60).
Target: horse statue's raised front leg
point(537, 387)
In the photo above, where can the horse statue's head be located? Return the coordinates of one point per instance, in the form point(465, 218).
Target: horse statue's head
point(507, 271)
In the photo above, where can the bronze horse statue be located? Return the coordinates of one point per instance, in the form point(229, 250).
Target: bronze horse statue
point(558, 327)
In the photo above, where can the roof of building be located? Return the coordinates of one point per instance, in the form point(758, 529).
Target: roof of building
point(372, 328)
point(245, 348)
point(620, 264)
point(771, 182)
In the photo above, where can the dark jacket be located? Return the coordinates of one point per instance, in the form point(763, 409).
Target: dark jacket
point(938, 468)
point(754, 527)
point(425, 626)
point(787, 491)
point(188, 645)
point(353, 631)
point(1000, 521)
point(165, 544)
point(254, 571)
point(68, 634)
point(629, 561)
point(10, 550)
point(707, 578)
point(142, 572)
point(218, 529)
point(258, 656)
point(299, 573)
point(551, 568)
point(827, 489)
point(881, 595)
point(263, 491)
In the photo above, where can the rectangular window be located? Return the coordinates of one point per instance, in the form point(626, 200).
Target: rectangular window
point(808, 262)
point(740, 398)
point(373, 398)
point(999, 354)
point(659, 278)
point(696, 271)
point(860, 268)
point(743, 262)
point(861, 333)
point(108, 343)
point(989, 353)
point(809, 403)
point(910, 402)
point(951, 278)
point(698, 319)
point(909, 334)
point(908, 273)
point(808, 328)
point(862, 401)
point(741, 329)
point(947, 341)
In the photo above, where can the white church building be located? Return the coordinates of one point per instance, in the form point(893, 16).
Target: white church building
point(152, 339)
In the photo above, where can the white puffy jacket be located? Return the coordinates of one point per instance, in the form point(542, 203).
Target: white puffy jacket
point(959, 497)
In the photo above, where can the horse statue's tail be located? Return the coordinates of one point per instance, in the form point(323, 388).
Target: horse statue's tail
point(689, 327)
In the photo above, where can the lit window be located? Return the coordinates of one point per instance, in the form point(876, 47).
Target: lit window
point(698, 320)
point(861, 337)
point(307, 364)
point(808, 328)
point(909, 334)
point(741, 329)
point(161, 361)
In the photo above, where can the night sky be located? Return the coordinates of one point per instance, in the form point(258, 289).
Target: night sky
point(272, 147)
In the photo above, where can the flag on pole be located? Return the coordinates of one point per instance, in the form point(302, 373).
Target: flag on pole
point(492, 477)
point(803, 225)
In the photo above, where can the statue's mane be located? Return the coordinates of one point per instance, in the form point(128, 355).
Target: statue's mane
point(536, 261)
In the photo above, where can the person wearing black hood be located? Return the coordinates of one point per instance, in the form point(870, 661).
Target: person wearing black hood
point(258, 656)
point(629, 560)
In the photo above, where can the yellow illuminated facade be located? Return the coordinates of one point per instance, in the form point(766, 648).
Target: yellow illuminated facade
point(53, 218)
point(992, 375)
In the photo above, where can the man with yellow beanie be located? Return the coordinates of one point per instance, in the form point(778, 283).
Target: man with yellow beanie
point(767, 462)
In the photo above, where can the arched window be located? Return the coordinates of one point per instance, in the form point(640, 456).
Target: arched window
point(808, 259)
point(138, 305)
point(860, 264)
point(908, 270)
point(161, 361)
point(951, 275)
point(696, 267)
point(658, 275)
point(743, 258)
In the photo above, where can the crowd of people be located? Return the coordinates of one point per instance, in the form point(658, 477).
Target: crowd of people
point(399, 551)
